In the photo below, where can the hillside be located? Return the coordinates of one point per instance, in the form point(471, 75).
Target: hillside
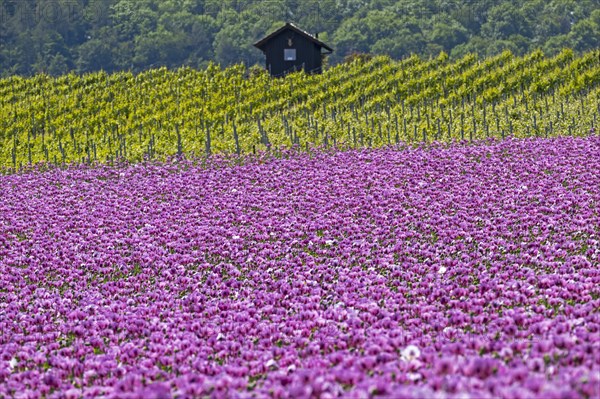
point(58, 36)
point(367, 102)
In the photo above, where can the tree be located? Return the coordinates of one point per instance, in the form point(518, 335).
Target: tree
point(447, 33)
point(232, 46)
point(585, 34)
point(350, 37)
point(95, 54)
point(505, 20)
point(555, 44)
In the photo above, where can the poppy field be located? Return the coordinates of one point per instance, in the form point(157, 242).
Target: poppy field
point(441, 271)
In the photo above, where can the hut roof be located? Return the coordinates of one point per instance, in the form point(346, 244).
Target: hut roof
point(262, 42)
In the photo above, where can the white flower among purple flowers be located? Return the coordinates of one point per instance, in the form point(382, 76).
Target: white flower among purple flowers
point(410, 353)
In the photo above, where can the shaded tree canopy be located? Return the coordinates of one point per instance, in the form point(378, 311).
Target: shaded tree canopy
point(58, 36)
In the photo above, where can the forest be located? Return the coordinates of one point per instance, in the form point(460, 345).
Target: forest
point(60, 36)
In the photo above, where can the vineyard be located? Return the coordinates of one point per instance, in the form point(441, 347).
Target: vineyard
point(102, 117)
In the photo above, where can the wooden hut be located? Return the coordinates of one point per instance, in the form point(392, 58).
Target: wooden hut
point(290, 49)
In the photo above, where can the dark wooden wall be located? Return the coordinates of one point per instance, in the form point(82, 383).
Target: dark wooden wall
point(308, 54)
